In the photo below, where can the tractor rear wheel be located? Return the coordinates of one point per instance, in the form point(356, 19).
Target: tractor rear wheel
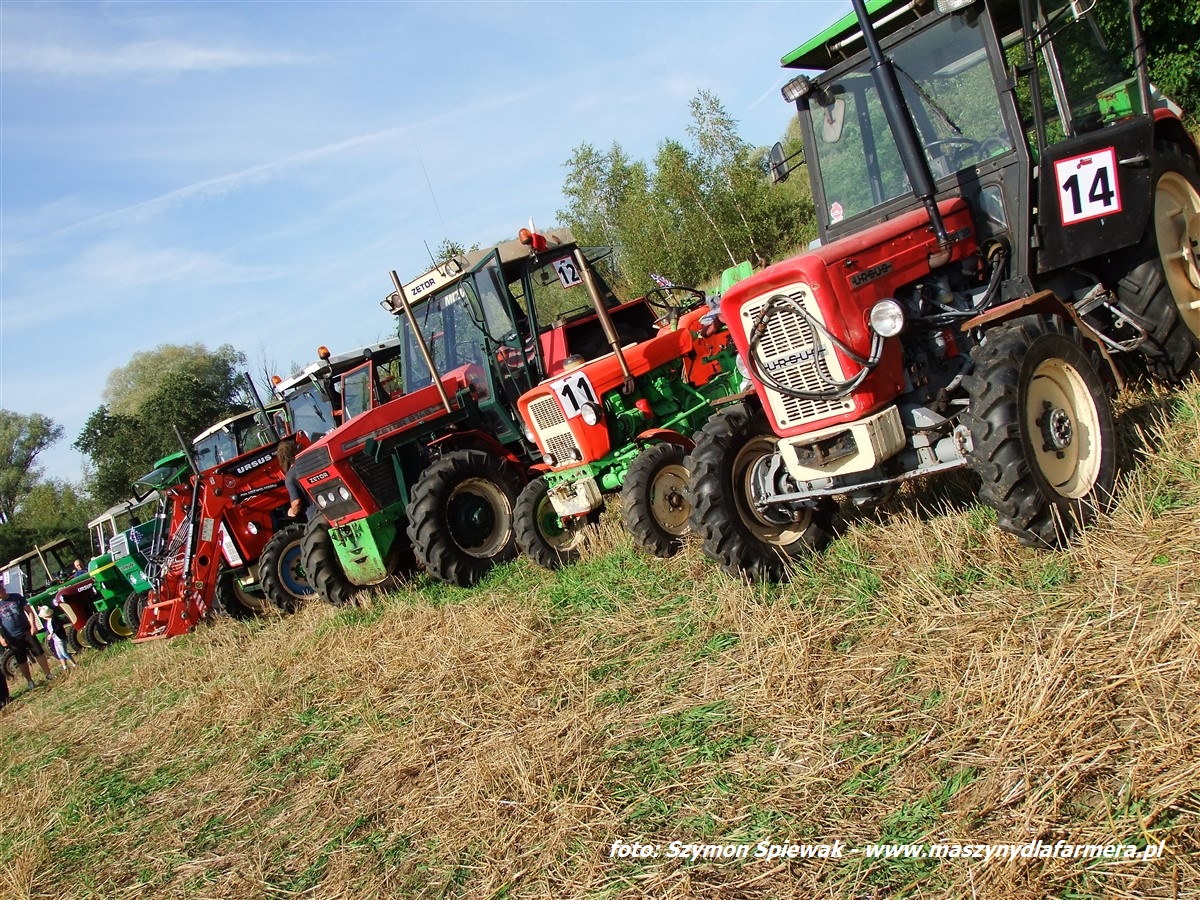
point(321, 566)
point(116, 622)
point(461, 516)
point(135, 605)
point(279, 566)
point(1041, 428)
point(654, 501)
point(12, 669)
point(541, 534)
point(234, 600)
point(1159, 280)
point(745, 540)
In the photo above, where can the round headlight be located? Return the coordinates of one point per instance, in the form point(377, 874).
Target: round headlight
point(887, 318)
point(529, 435)
point(321, 501)
point(343, 492)
point(591, 413)
point(252, 527)
point(549, 459)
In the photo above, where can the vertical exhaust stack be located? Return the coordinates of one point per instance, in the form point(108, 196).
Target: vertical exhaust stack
point(424, 347)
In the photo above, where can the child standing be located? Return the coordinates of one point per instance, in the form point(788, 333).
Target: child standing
point(56, 637)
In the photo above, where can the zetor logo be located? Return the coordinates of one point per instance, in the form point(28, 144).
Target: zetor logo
point(253, 464)
point(800, 356)
point(861, 278)
point(316, 479)
point(421, 288)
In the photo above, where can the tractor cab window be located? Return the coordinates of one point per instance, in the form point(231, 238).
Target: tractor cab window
point(215, 449)
point(309, 411)
point(356, 392)
point(558, 289)
point(947, 83)
point(451, 329)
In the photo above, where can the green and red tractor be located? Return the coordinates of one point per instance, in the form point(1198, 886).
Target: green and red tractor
point(624, 422)
point(1009, 224)
point(433, 474)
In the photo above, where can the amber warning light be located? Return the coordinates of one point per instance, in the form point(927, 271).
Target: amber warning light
point(532, 239)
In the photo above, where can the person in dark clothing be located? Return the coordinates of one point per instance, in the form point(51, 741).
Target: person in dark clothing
point(300, 506)
point(17, 633)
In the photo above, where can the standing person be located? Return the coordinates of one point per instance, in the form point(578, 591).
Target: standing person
point(56, 636)
point(300, 507)
point(17, 627)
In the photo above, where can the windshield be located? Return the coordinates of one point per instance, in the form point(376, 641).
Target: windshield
point(454, 335)
point(235, 438)
point(947, 84)
point(309, 411)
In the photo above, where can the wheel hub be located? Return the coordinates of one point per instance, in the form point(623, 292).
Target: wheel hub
point(1191, 246)
point(1057, 428)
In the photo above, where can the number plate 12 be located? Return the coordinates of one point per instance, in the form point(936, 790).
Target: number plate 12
point(1087, 186)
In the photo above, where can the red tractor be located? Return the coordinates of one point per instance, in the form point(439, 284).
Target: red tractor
point(1009, 224)
point(433, 469)
point(220, 521)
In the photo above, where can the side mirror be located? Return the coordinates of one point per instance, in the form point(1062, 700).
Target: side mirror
point(779, 167)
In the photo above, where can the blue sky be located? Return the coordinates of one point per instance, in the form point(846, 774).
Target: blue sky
point(248, 173)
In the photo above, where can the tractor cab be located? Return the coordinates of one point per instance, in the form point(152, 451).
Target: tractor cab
point(233, 437)
point(339, 387)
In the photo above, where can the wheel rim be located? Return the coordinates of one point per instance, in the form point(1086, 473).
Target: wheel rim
point(291, 572)
point(668, 499)
point(1177, 228)
point(1064, 428)
point(556, 535)
point(256, 603)
point(117, 624)
point(480, 517)
point(744, 464)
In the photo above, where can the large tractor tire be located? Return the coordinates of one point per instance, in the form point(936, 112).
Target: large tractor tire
point(321, 566)
point(1159, 280)
point(541, 534)
point(281, 570)
point(73, 643)
point(235, 601)
point(1041, 428)
point(92, 637)
point(111, 625)
point(654, 502)
point(746, 541)
point(461, 516)
point(135, 605)
point(11, 668)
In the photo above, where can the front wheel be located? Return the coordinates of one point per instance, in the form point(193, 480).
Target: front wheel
point(135, 605)
point(112, 627)
point(12, 668)
point(92, 636)
point(1041, 428)
point(540, 533)
point(281, 570)
point(744, 539)
point(654, 503)
point(319, 559)
point(461, 517)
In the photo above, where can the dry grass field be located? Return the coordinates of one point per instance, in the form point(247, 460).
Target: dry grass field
point(925, 681)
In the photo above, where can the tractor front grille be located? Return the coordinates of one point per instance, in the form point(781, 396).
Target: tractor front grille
point(793, 353)
point(312, 460)
point(554, 430)
point(118, 546)
point(378, 477)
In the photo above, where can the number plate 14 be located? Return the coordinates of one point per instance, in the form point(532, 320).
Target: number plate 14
point(1088, 186)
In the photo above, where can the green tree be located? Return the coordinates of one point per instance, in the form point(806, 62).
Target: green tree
point(128, 387)
point(22, 439)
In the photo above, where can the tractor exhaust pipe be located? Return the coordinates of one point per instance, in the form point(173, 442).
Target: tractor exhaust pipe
point(606, 322)
point(424, 347)
point(901, 125)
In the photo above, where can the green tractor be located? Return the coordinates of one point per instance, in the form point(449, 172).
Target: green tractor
point(127, 537)
point(43, 576)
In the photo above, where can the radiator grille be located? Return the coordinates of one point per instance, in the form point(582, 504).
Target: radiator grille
point(804, 361)
point(379, 478)
point(311, 460)
point(554, 430)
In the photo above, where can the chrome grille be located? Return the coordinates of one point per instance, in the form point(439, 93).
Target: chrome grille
point(789, 335)
point(118, 546)
point(554, 430)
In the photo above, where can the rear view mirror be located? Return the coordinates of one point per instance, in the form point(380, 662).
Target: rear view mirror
point(834, 117)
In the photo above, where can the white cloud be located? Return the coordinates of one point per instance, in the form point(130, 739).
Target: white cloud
point(156, 58)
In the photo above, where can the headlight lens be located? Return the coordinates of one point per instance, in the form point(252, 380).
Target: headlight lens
point(252, 527)
point(321, 501)
point(344, 493)
point(887, 318)
point(591, 413)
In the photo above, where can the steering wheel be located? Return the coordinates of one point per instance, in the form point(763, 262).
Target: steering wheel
point(675, 299)
point(940, 148)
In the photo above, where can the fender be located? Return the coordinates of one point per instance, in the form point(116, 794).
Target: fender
point(665, 436)
point(479, 440)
